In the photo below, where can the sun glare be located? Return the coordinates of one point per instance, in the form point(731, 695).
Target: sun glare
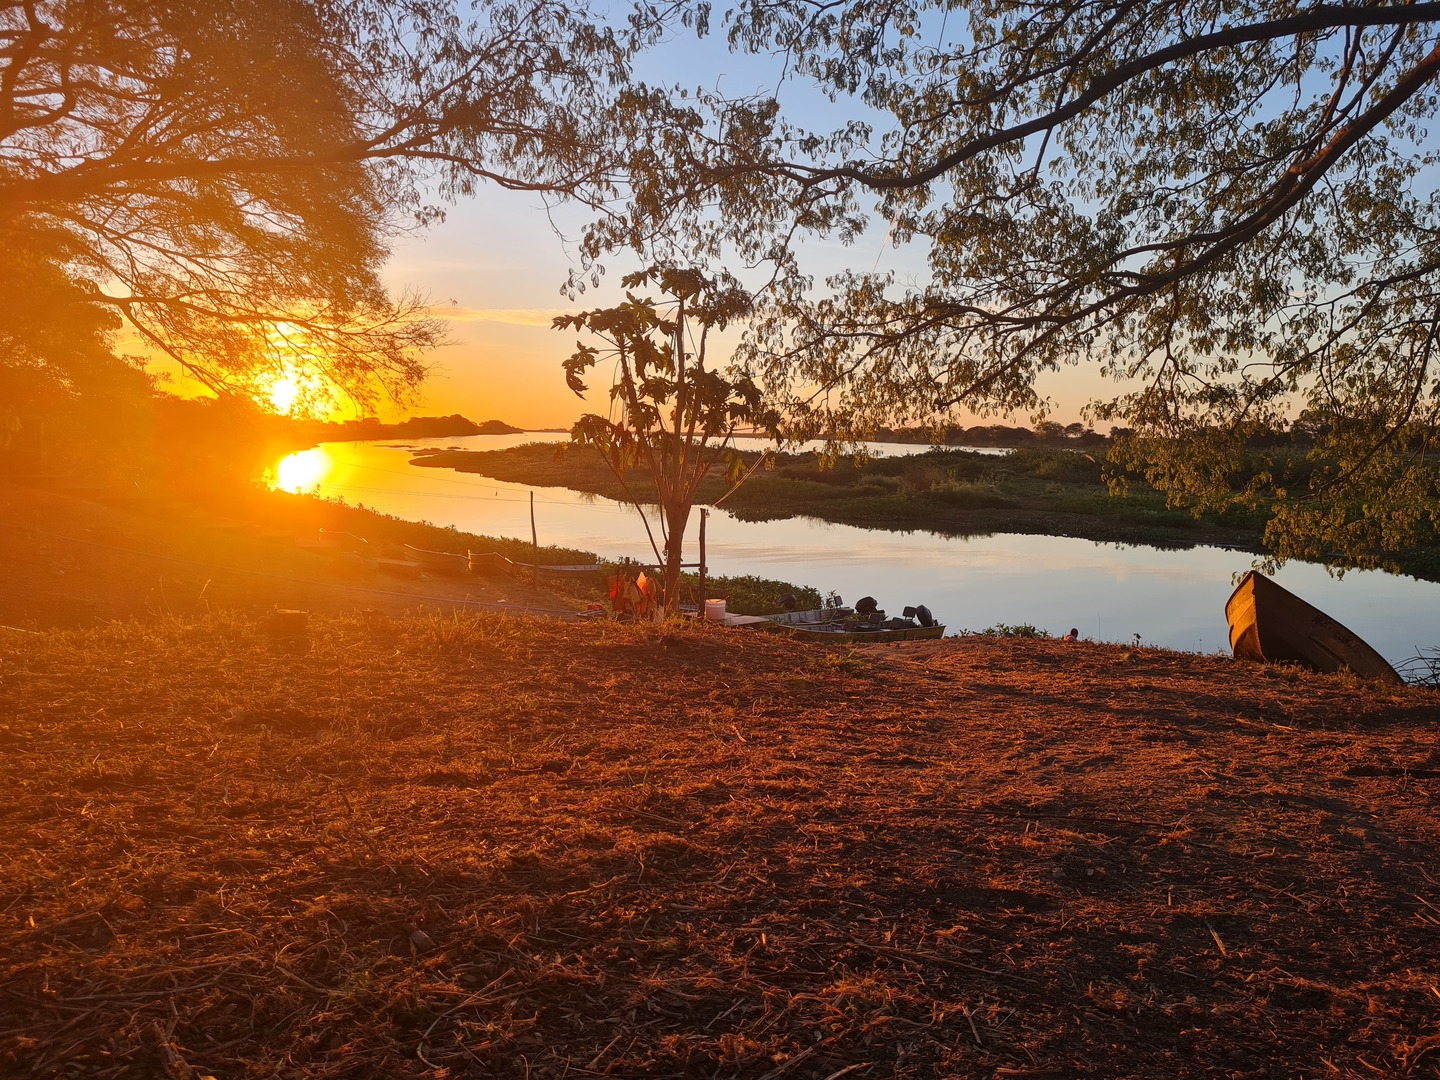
point(303, 470)
point(295, 391)
point(295, 387)
point(283, 392)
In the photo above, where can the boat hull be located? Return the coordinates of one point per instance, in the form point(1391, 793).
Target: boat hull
point(812, 617)
point(576, 569)
point(840, 624)
point(490, 564)
point(837, 632)
point(1270, 624)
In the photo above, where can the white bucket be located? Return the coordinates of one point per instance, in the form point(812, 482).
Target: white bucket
point(715, 610)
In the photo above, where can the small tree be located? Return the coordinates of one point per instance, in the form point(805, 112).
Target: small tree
point(670, 414)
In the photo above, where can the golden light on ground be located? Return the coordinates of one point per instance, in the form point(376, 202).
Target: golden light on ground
point(301, 471)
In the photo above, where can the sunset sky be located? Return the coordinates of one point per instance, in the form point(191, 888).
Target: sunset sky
point(495, 267)
point(494, 270)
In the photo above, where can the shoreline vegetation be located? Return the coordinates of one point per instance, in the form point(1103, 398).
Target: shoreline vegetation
point(95, 552)
point(369, 428)
point(951, 491)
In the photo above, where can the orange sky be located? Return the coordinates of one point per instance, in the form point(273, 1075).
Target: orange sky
point(496, 264)
point(493, 270)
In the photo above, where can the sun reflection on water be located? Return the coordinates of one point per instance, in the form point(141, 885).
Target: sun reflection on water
point(303, 470)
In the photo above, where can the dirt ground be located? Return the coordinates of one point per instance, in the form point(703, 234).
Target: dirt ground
point(473, 844)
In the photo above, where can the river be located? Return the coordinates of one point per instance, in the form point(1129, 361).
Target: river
point(1110, 592)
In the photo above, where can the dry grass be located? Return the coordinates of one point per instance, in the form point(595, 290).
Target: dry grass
point(73, 560)
point(450, 846)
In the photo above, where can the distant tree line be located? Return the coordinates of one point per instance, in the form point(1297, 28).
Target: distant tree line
point(1045, 433)
point(415, 427)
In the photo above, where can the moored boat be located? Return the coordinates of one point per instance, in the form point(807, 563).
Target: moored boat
point(490, 563)
point(337, 540)
point(812, 616)
point(842, 624)
point(570, 568)
point(865, 632)
point(1269, 623)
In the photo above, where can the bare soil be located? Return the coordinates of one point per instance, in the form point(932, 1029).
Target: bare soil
point(462, 845)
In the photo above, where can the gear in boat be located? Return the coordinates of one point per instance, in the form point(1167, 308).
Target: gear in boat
point(870, 616)
point(865, 621)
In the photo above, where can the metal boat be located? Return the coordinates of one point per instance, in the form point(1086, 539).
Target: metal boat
point(1271, 624)
point(443, 561)
point(844, 624)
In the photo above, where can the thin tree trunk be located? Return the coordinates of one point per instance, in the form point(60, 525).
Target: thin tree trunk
point(677, 515)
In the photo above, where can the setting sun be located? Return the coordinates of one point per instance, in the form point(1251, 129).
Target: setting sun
point(295, 391)
point(283, 392)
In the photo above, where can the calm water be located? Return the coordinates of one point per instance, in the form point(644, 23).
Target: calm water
point(1111, 592)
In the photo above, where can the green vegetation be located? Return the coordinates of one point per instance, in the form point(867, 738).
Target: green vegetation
point(749, 595)
point(1262, 257)
point(1025, 630)
point(672, 415)
point(956, 492)
point(744, 594)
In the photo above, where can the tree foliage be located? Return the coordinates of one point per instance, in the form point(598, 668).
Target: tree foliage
point(670, 412)
point(227, 176)
point(56, 359)
point(1229, 209)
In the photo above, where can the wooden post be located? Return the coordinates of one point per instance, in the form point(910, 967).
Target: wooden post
point(534, 545)
point(704, 514)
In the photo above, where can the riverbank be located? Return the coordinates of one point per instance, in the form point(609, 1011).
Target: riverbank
point(434, 845)
point(82, 556)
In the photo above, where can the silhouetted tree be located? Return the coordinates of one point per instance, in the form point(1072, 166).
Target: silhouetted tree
point(226, 176)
